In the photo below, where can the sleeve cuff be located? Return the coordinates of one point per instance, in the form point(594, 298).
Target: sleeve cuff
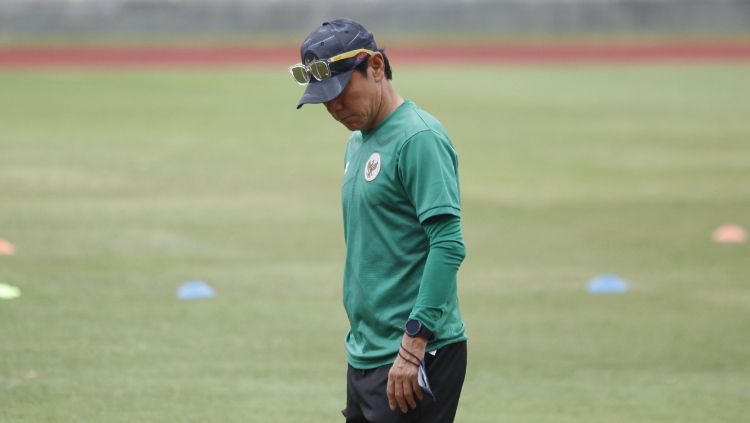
point(437, 211)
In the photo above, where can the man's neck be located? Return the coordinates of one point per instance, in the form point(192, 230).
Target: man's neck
point(390, 100)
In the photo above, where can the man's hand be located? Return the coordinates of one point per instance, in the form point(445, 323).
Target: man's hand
point(402, 378)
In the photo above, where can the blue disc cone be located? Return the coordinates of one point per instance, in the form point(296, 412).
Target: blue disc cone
point(194, 290)
point(608, 284)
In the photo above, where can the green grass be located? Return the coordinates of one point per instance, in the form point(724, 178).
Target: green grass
point(117, 186)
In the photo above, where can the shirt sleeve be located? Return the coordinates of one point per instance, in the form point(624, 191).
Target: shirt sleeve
point(428, 169)
point(438, 285)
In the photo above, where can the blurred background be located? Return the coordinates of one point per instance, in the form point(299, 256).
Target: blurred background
point(171, 241)
point(292, 18)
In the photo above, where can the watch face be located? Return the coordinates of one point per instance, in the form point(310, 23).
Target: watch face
point(413, 327)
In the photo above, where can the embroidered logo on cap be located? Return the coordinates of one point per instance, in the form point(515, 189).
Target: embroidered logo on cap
point(372, 167)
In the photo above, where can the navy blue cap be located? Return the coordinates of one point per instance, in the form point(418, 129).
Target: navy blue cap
point(332, 38)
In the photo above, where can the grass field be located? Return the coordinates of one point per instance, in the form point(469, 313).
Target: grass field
point(117, 186)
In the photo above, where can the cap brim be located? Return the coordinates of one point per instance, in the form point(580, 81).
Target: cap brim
point(327, 90)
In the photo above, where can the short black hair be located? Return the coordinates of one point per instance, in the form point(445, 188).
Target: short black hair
point(362, 67)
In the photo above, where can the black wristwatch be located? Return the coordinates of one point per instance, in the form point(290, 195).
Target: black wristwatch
point(415, 328)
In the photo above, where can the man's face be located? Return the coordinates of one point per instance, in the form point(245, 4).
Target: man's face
point(355, 107)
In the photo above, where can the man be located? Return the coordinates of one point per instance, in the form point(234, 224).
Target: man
point(406, 347)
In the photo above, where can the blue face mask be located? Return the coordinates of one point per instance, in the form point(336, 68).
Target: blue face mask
point(423, 382)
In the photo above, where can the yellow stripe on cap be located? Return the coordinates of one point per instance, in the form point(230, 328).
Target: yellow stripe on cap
point(350, 54)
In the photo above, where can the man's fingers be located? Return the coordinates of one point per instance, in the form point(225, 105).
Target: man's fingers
point(391, 391)
point(408, 395)
point(400, 396)
point(402, 388)
point(417, 389)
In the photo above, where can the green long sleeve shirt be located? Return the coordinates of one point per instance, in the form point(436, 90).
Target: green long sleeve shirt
point(401, 207)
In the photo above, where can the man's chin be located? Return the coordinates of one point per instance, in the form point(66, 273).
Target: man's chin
point(352, 126)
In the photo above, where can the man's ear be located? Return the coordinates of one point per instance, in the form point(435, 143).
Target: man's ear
point(377, 64)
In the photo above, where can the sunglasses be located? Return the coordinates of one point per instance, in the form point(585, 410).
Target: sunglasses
point(321, 69)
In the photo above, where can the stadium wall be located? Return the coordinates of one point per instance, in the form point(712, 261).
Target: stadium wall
point(19, 18)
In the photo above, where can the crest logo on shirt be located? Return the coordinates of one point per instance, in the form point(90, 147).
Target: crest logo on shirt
point(372, 167)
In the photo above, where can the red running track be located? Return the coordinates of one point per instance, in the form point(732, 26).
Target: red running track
point(118, 57)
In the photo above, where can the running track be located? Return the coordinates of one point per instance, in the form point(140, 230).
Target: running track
point(521, 53)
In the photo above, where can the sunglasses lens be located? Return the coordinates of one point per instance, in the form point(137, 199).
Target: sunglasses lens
point(300, 74)
point(320, 70)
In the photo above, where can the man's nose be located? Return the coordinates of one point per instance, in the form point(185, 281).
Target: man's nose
point(332, 105)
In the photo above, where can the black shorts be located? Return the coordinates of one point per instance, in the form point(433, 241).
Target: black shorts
point(367, 402)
